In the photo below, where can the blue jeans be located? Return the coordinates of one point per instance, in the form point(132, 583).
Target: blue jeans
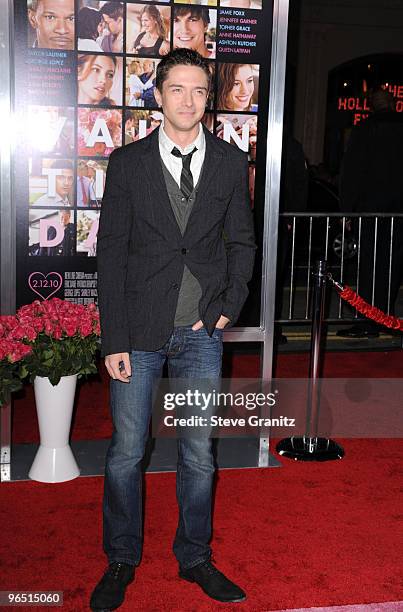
point(190, 354)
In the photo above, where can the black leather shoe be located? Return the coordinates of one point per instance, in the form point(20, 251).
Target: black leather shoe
point(109, 593)
point(358, 331)
point(213, 582)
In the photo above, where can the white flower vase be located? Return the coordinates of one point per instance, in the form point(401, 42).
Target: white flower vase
point(54, 460)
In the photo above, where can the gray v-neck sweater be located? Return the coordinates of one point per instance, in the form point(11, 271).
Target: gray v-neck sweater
point(187, 310)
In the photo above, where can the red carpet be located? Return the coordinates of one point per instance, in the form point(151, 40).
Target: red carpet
point(298, 536)
point(92, 420)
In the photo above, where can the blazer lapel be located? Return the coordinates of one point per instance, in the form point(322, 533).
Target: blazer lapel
point(152, 162)
point(211, 165)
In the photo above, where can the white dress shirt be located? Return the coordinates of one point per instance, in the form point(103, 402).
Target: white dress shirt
point(174, 164)
point(56, 200)
point(86, 44)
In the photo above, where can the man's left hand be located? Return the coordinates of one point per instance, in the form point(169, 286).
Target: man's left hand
point(221, 323)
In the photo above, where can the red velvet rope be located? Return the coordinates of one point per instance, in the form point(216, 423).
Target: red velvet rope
point(348, 295)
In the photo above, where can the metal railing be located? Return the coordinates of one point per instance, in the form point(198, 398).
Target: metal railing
point(338, 239)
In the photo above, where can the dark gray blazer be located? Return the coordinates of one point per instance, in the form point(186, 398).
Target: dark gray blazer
point(141, 252)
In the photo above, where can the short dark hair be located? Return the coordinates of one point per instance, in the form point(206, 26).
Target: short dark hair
point(181, 57)
point(88, 22)
point(200, 12)
point(114, 10)
point(62, 164)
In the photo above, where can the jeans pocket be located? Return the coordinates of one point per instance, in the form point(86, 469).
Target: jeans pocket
point(217, 333)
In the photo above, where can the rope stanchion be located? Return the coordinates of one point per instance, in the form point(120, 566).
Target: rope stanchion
point(371, 312)
point(310, 447)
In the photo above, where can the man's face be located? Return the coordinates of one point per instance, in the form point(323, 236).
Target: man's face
point(64, 217)
point(54, 24)
point(64, 182)
point(183, 97)
point(189, 32)
point(114, 25)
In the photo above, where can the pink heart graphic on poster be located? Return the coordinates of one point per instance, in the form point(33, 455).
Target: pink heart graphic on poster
point(52, 281)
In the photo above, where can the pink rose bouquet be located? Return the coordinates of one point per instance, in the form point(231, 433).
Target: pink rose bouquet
point(63, 337)
point(13, 351)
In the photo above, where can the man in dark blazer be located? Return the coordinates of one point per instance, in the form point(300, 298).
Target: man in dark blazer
point(175, 254)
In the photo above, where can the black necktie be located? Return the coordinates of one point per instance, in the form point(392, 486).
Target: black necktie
point(186, 175)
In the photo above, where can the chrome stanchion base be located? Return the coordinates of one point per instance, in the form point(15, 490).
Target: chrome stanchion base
point(310, 449)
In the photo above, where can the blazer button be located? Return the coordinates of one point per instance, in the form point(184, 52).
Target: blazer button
point(175, 286)
point(184, 251)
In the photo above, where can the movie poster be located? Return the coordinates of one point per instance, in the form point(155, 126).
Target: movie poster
point(84, 85)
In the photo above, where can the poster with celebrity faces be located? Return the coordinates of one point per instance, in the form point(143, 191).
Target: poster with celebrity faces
point(194, 27)
point(51, 182)
point(91, 176)
point(85, 83)
point(140, 82)
point(51, 233)
point(99, 79)
point(148, 29)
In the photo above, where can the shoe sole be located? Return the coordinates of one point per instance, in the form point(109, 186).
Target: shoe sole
point(208, 594)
